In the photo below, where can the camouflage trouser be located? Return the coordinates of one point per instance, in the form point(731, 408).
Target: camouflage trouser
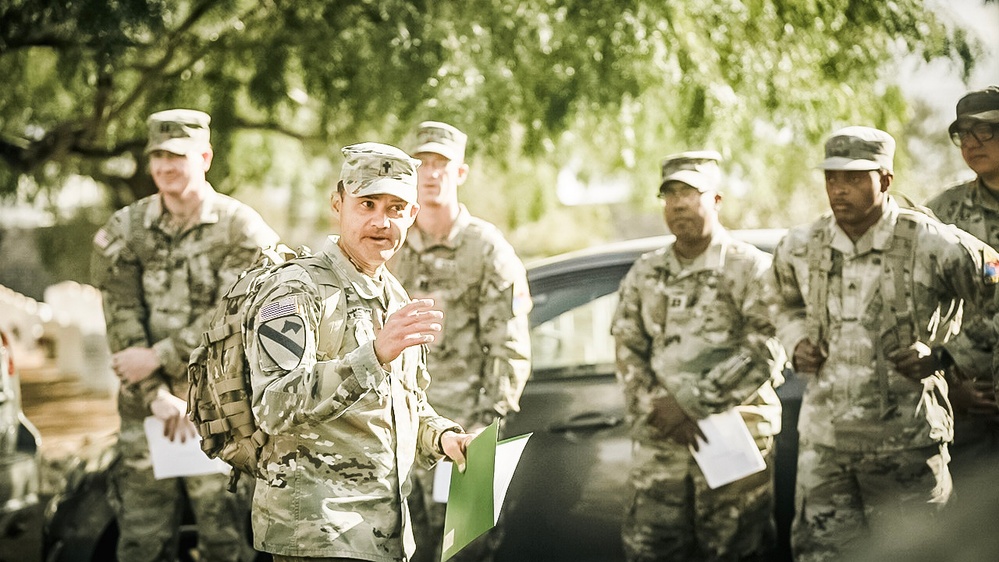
point(674, 515)
point(844, 498)
point(149, 511)
point(428, 525)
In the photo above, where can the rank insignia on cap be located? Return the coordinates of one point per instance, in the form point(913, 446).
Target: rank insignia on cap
point(990, 266)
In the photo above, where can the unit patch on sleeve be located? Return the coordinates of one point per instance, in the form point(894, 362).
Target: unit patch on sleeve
point(281, 332)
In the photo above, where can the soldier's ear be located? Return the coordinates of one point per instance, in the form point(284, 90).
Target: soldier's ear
point(336, 198)
point(886, 179)
point(208, 155)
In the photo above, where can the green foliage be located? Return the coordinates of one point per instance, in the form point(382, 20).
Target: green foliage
point(617, 84)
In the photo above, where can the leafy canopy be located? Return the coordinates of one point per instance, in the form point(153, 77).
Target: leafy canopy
point(536, 83)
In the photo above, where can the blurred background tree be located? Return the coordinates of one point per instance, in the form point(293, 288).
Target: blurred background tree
point(565, 101)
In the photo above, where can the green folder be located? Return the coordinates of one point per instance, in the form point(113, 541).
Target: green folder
point(475, 496)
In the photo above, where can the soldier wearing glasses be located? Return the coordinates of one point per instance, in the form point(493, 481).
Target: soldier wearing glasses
point(974, 206)
point(694, 337)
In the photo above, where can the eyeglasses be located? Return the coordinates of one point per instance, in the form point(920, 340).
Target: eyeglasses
point(982, 132)
point(684, 193)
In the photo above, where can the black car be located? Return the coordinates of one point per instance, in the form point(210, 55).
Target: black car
point(568, 496)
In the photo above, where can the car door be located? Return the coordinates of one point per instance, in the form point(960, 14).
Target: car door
point(568, 495)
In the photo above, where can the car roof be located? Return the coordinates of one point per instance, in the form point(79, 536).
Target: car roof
point(625, 252)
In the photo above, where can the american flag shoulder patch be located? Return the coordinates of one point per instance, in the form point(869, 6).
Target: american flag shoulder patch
point(101, 239)
point(276, 309)
point(990, 266)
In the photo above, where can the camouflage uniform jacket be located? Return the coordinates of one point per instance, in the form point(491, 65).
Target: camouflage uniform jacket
point(903, 281)
point(971, 207)
point(160, 286)
point(344, 430)
point(702, 333)
point(482, 360)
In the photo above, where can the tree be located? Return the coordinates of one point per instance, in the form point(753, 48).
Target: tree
point(535, 82)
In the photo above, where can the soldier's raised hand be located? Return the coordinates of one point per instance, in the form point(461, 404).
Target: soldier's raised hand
point(414, 324)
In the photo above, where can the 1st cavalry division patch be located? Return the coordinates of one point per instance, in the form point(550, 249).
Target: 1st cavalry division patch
point(281, 332)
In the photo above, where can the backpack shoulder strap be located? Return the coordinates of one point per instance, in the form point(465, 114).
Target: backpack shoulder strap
point(899, 307)
point(328, 282)
point(820, 262)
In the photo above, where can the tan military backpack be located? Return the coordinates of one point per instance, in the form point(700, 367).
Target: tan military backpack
point(220, 395)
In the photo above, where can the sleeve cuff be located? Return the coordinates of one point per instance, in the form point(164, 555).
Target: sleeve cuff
point(790, 336)
point(969, 362)
point(689, 398)
point(367, 370)
point(439, 426)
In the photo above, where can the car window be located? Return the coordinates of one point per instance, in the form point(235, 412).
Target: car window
point(570, 323)
point(576, 339)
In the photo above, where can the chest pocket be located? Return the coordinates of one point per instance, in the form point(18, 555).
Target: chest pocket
point(694, 307)
point(455, 293)
point(181, 270)
point(360, 325)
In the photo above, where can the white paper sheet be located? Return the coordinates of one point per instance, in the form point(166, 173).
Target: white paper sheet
point(442, 481)
point(730, 452)
point(173, 458)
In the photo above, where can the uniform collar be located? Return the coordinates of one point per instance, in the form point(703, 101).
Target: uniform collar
point(980, 196)
point(367, 287)
point(878, 237)
point(209, 213)
point(712, 258)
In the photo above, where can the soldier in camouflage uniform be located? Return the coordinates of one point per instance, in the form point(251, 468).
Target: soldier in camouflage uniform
point(694, 337)
point(161, 265)
point(869, 303)
point(974, 207)
point(338, 367)
point(482, 359)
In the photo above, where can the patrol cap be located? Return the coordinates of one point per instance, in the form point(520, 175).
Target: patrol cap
point(373, 168)
point(859, 148)
point(980, 105)
point(178, 131)
point(440, 138)
point(698, 169)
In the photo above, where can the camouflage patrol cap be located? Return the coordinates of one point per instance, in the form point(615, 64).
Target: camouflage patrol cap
point(980, 105)
point(698, 169)
point(178, 131)
point(441, 138)
point(859, 148)
point(373, 168)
